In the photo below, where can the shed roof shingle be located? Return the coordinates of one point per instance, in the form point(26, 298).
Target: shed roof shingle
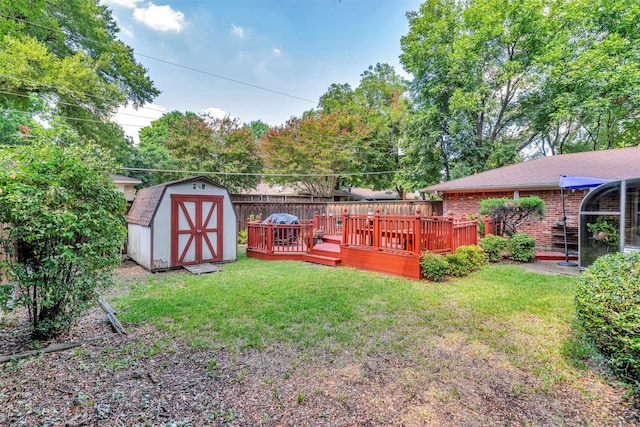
point(544, 172)
point(144, 207)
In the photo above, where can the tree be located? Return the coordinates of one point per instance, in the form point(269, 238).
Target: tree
point(589, 93)
point(472, 63)
point(325, 144)
point(380, 102)
point(258, 128)
point(208, 144)
point(152, 151)
point(67, 219)
point(66, 54)
point(509, 214)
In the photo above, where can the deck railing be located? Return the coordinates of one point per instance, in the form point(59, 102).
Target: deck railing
point(329, 224)
point(407, 234)
point(270, 238)
point(381, 232)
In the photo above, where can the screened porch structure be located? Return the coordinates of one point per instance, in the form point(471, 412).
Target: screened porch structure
point(609, 220)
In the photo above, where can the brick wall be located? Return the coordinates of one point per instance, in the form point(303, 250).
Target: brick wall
point(465, 204)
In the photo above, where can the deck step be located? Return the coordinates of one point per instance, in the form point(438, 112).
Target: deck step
point(320, 259)
point(333, 239)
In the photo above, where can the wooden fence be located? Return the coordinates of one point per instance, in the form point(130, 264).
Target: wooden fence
point(308, 210)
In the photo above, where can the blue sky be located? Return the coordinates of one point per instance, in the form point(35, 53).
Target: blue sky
point(297, 47)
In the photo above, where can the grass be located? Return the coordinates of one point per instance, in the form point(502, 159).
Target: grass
point(253, 304)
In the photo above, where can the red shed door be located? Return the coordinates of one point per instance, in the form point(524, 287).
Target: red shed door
point(196, 229)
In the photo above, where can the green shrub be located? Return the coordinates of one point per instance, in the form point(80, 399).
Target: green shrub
point(457, 265)
point(493, 247)
point(521, 248)
point(67, 217)
point(243, 236)
point(433, 266)
point(475, 256)
point(608, 307)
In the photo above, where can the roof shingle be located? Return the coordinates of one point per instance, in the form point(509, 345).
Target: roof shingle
point(544, 172)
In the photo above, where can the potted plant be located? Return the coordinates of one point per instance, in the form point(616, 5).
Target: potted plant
point(604, 229)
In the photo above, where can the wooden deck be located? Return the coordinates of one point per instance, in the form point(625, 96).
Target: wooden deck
point(382, 243)
point(390, 244)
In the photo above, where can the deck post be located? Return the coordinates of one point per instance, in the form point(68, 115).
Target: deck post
point(417, 233)
point(451, 231)
point(345, 228)
point(377, 230)
point(316, 219)
point(269, 237)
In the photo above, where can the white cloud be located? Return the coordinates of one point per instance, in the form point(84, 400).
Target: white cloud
point(133, 120)
point(215, 112)
point(126, 32)
point(160, 18)
point(129, 4)
point(237, 31)
point(277, 52)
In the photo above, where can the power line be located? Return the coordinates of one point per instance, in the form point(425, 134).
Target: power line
point(78, 105)
point(186, 67)
point(262, 174)
point(76, 93)
point(79, 119)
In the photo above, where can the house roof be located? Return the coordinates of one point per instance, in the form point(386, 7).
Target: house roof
point(146, 204)
point(121, 179)
point(266, 189)
point(544, 172)
point(368, 194)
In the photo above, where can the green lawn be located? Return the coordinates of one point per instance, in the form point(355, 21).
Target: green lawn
point(255, 304)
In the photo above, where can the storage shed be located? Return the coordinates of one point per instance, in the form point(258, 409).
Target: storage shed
point(184, 222)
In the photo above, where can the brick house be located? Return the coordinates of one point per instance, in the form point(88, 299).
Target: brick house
point(540, 177)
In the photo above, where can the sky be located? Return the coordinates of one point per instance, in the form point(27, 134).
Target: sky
point(284, 53)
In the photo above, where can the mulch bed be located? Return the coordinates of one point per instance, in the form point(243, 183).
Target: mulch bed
point(150, 378)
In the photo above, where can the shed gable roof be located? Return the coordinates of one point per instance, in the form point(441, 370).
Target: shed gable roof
point(146, 203)
point(544, 172)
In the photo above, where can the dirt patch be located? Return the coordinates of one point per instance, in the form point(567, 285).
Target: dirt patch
point(148, 377)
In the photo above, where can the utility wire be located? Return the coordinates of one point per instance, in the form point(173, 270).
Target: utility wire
point(79, 119)
point(186, 67)
point(262, 174)
point(78, 105)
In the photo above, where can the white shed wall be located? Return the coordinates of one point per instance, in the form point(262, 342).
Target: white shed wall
point(139, 245)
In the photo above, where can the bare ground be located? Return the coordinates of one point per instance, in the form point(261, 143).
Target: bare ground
point(148, 378)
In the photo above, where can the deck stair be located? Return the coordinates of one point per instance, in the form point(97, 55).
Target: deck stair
point(321, 259)
point(325, 253)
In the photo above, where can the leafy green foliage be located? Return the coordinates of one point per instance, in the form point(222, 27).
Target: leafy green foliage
point(465, 260)
point(317, 143)
point(509, 214)
point(243, 235)
point(208, 144)
point(474, 255)
point(67, 54)
point(381, 104)
point(608, 307)
point(605, 229)
point(521, 248)
point(433, 266)
point(498, 80)
point(493, 247)
point(67, 220)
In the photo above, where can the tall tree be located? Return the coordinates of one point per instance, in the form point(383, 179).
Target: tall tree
point(380, 102)
point(472, 62)
point(321, 144)
point(208, 144)
point(66, 53)
point(589, 96)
